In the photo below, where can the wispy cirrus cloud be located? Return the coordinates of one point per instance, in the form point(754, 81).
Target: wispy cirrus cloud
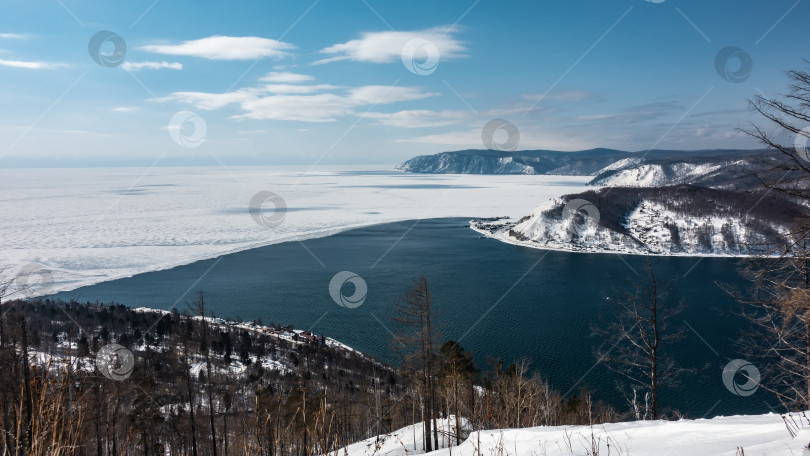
point(137, 66)
point(219, 47)
point(14, 36)
point(30, 65)
point(419, 118)
point(299, 102)
point(562, 96)
point(636, 113)
point(385, 47)
point(530, 138)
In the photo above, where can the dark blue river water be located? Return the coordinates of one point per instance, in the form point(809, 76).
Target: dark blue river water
point(501, 300)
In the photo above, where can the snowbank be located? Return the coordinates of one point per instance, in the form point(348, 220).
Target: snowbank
point(721, 436)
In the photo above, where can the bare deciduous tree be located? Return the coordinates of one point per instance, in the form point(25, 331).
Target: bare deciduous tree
point(636, 343)
point(418, 339)
point(778, 301)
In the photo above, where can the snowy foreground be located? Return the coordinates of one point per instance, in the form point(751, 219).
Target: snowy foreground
point(721, 436)
point(94, 225)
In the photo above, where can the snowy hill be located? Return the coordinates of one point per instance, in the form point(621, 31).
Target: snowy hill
point(683, 220)
point(721, 436)
point(602, 163)
point(727, 171)
point(654, 174)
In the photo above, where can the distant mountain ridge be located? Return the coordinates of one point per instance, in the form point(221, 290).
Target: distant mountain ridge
point(581, 163)
point(660, 202)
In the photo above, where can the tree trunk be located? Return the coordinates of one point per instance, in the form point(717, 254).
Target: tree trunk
point(191, 409)
point(654, 348)
point(29, 400)
point(458, 412)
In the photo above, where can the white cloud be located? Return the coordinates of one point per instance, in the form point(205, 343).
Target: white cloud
point(225, 48)
point(295, 89)
point(31, 65)
point(137, 66)
point(326, 107)
point(208, 101)
point(384, 47)
point(14, 36)
point(378, 94)
point(285, 77)
point(125, 108)
point(304, 103)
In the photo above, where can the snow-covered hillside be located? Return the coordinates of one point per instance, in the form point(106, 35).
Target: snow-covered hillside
point(661, 221)
point(467, 164)
point(744, 171)
point(722, 436)
point(629, 173)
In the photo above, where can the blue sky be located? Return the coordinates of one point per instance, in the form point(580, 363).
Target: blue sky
point(336, 82)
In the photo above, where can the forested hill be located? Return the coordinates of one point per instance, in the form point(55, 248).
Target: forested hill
point(80, 379)
point(142, 381)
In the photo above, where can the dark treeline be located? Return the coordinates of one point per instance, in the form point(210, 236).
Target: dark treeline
point(209, 387)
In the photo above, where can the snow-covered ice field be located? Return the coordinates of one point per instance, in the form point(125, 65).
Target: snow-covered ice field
point(93, 225)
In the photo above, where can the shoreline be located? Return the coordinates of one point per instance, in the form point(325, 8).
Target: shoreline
point(303, 236)
point(318, 234)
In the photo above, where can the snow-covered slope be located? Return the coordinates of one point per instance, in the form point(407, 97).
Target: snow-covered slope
point(744, 171)
point(405, 441)
point(652, 175)
point(679, 220)
point(722, 436)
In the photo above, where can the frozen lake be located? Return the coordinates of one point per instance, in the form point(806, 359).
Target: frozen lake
point(498, 300)
point(99, 224)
